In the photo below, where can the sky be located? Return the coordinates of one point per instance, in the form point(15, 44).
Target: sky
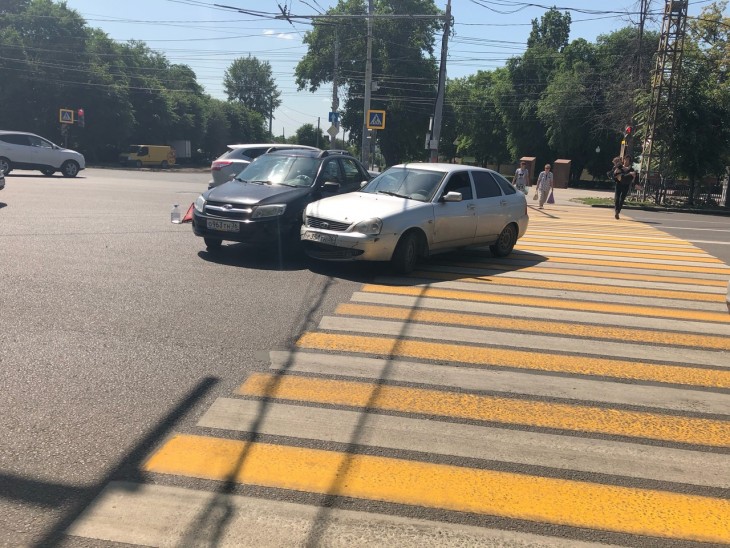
point(208, 37)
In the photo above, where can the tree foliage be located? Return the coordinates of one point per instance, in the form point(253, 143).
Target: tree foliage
point(250, 82)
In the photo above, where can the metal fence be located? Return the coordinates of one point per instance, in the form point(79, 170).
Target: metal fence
point(668, 191)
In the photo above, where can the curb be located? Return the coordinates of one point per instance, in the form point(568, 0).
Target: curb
point(723, 212)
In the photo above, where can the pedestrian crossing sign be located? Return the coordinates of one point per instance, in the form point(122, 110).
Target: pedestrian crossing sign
point(66, 116)
point(376, 119)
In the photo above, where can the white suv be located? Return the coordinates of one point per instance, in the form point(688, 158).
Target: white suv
point(231, 163)
point(21, 150)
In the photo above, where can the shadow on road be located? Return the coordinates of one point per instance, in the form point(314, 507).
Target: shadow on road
point(128, 467)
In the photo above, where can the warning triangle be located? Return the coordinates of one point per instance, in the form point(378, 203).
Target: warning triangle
point(188, 216)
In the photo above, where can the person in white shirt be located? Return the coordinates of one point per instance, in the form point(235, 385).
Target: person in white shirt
point(521, 177)
point(544, 185)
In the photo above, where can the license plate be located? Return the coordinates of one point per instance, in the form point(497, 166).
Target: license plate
point(222, 226)
point(329, 239)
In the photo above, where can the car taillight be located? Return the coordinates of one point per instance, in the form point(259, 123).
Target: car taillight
point(219, 164)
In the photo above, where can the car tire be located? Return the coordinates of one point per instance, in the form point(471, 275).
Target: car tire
point(5, 165)
point(70, 168)
point(213, 244)
point(48, 172)
point(406, 254)
point(505, 242)
point(164, 164)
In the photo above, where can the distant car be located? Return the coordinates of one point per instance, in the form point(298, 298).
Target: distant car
point(265, 202)
point(237, 157)
point(21, 150)
point(413, 210)
point(162, 156)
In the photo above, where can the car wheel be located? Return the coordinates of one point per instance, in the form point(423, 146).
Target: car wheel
point(213, 244)
point(406, 253)
point(137, 164)
point(48, 172)
point(70, 168)
point(5, 166)
point(164, 164)
point(505, 243)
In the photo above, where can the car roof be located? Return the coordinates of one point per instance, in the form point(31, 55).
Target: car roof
point(268, 145)
point(6, 132)
point(441, 167)
point(308, 153)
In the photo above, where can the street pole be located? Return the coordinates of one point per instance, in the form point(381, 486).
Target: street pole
point(365, 148)
point(335, 98)
point(436, 135)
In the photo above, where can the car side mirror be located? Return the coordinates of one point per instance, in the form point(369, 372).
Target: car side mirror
point(331, 186)
point(231, 176)
point(362, 184)
point(451, 197)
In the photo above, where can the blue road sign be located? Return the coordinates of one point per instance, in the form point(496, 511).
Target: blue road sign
point(66, 116)
point(376, 119)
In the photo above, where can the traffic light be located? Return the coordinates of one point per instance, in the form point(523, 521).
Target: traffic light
point(80, 118)
point(628, 132)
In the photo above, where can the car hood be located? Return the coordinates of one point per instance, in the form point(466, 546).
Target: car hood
point(360, 206)
point(238, 192)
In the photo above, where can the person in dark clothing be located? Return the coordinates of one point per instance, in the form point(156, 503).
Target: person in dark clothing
point(624, 176)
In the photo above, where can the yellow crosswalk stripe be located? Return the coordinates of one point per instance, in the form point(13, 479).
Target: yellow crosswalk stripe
point(681, 294)
point(517, 258)
point(519, 359)
point(604, 241)
point(646, 512)
point(519, 326)
point(495, 269)
point(563, 304)
point(524, 246)
point(576, 418)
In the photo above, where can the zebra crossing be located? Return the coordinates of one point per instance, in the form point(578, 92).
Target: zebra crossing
point(576, 393)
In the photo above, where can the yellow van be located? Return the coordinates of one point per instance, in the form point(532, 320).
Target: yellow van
point(148, 155)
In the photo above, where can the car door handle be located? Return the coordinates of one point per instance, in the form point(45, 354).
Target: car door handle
point(503, 203)
point(470, 206)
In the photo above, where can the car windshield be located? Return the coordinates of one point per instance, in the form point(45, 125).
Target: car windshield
point(406, 182)
point(273, 169)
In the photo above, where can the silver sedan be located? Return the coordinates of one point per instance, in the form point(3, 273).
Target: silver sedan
point(413, 210)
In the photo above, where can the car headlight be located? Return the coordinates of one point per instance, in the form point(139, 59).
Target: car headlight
point(371, 227)
point(199, 204)
point(273, 210)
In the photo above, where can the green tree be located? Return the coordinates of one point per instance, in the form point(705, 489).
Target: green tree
point(404, 68)
point(310, 135)
point(249, 81)
point(551, 32)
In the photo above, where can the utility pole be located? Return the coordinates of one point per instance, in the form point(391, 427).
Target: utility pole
point(365, 149)
point(335, 98)
point(436, 135)
point(665, 80)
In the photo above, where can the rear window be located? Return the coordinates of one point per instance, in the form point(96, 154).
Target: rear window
point(504, 184)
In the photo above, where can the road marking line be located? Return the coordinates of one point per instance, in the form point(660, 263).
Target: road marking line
point(649, 260)
point(495, 357)
point(549, 314)
point(612, 279)
point(678, 293)
point(657, 265)
point(523, 326)
point(159, 515)
point(570, 239)
point(518, 496)
point(612, 458)
point(503, 381)
point(669, 355)
point(690, 253)
point(694, 315)
point(524, 262)
point(539, 414)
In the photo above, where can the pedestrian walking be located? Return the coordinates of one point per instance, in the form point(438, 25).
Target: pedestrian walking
point(544, 185)
point(521, 178)
point(624, 176)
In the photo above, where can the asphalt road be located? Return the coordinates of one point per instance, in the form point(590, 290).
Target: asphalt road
point(124, 346)
point(116, 327)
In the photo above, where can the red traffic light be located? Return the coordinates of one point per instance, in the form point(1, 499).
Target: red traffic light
point(81, 112)
point(80, 118)
point(628, 130)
